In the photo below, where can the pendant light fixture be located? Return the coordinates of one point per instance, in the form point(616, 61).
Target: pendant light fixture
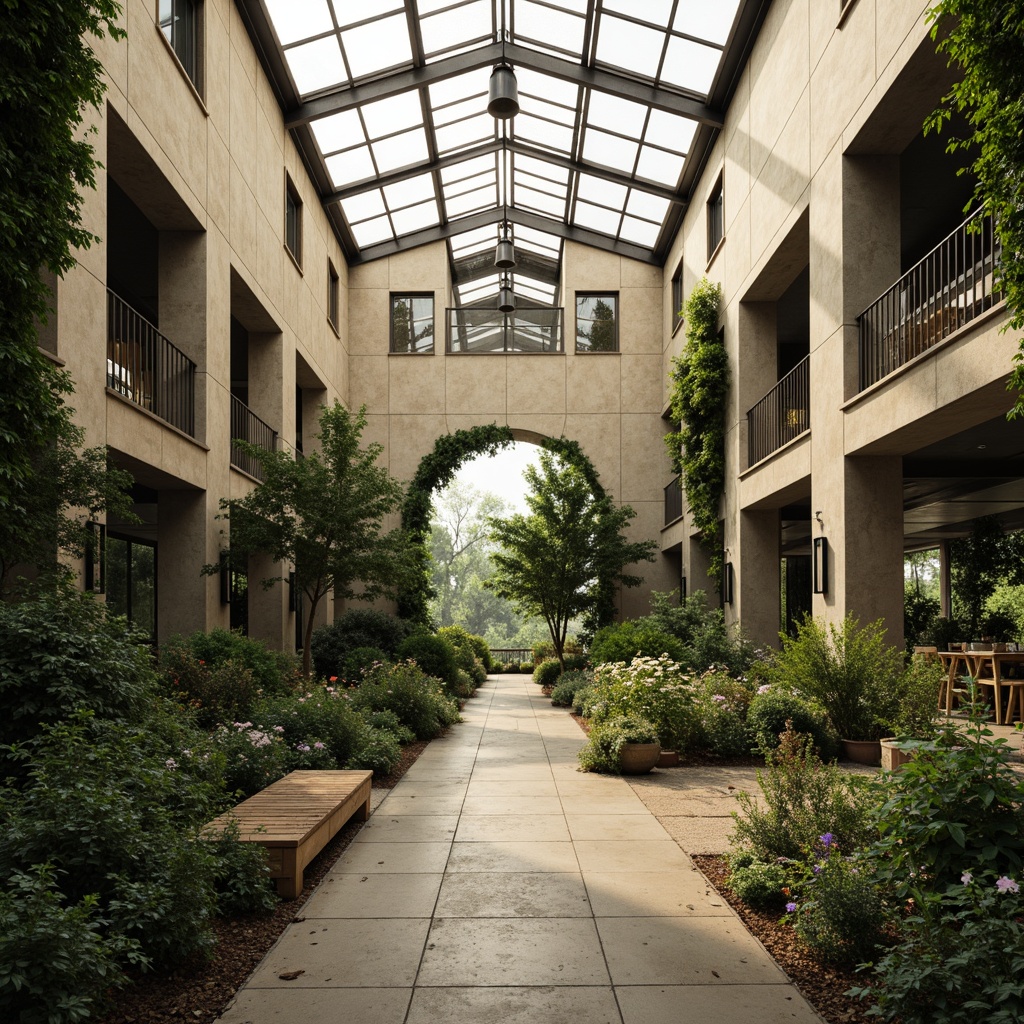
point(505, 252)
point(503, 90)
point(506, 297)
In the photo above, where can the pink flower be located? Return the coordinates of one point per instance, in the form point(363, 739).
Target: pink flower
point(1005, 884)
point(966, 878)
point(172, 764)
point(302, 748)
point(318, 745)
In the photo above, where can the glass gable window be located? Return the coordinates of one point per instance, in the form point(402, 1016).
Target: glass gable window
point(412, 323)
point(179, 22)
point(292, 221)
point(677, 297)
point(716, 218)
point(597, 322)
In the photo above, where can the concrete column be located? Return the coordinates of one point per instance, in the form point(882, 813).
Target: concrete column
point(698, 565)
point(757, 367)
point(757, 582)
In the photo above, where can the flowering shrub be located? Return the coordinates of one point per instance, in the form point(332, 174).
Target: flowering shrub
point(721, 703)
point(760, 885)
point(569, 684)
point(388, 721)
point(607, 738)
point(213, 693)
point(253, 758)
point(772, 707)
point(418, 701)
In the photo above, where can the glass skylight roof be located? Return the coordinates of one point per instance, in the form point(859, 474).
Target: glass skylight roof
point(391, 108)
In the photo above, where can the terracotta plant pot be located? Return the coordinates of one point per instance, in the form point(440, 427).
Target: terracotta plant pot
point(638, 758)
point(893, 759)
point(862, 751)
point(668, 759)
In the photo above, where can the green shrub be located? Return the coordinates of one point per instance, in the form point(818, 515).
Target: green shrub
point(582, 698)
point(720, 704)
point(547, 672)
point(253, 758)
point(360, 660)
point(387, 721)
point(564, 691)
point(803, 799)
point(378, 751)
point(433, 654)
point(213, 693)
point(919, 691)
point(624, 641)
point(773, 707)
point(483, 652)
point(273, 672)
point(759, 885)
point(606, 739)
point(358, 627)
point(62, 651)
point(241, 875)
point(526, 668)
point(702, 633)
point(462, 642)
point(418, 700)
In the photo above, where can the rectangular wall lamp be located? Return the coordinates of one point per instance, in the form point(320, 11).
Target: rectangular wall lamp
point(727, 583)
point(820, 565)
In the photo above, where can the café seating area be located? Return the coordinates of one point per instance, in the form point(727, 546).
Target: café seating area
point(994, 667)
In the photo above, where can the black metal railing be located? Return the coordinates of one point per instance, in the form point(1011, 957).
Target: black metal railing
point(247, 426)
point(144, 367)
point(673, 501)
point(487, 330)
point(951, 286)
point(783, 414)
point(511, 655)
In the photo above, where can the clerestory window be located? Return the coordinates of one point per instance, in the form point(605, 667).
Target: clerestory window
point(597, 322)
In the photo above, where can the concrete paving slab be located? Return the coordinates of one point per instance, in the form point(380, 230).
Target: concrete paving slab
point(544, 828)
point(512, 856)
point(392, 858)
point(613, 826)
point(375, 895)
point(653, 894)
point(513, 894)
point(408, 828)
point(630, 855)
point(507, 804)
point(324, 1005)
point(514, 1006)
point(701, 1004)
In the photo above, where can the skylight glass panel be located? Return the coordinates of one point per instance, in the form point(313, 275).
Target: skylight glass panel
point(415, 217)
point(451, 90)
point(640, 231)
point(540, 201)
point(472, 238)
point(643, 204)
point(464, 133)
point(541, 168)
point(534, 291)
point(468, 168)
point(535, 83)
point(401, 150)
point(617, 114)
point(597, 190)
point(364, 206)
point(471, 201)
point(609, 150)
point(469, 184)
point(392, 115)
point(349, 13)
point(624, 44)
point(337, 131)
point(538, 239)
point(690, 65)
point(478, 289)
point(547, 25)
point(540, 184)
point(656, 165)
point(412, 190)
point(579, 6)
point(597, 218)
point(544, 133)
point(551, 111)
point(450, 28)
point(371, 231)
point(377, 45)
point(670, 131)
point(350, 166)
point(450, 112)
point(705, 20)
point(293, 21)
point(656, 11)
point(317, 65)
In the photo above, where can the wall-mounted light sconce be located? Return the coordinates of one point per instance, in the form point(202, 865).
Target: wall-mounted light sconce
point(821, 522)
point(225, 577)
point(727, 583)
point(682, 589)
point(95, 556)
point(820, 566)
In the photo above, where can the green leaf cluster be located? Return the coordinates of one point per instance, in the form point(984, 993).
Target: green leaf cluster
point(699, 390)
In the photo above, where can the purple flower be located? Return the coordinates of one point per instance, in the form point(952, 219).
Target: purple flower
point(827, 840)
point(790, 907)
point(1005, 884)
point(816, 869)
point(966, 878)
point(718, 697)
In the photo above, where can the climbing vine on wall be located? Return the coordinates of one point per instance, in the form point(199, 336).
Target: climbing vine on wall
point(700, 387)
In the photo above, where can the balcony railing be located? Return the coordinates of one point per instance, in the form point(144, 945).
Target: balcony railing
point(673, 501)
point(783, 414)
point(247, 426)
point(951, 286)
point(144, 367)
point(487, 330)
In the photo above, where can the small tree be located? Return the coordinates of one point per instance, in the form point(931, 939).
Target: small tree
point(324, 515)
point(556, 561)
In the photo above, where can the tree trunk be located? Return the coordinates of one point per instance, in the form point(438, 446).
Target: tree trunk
point(306, 657)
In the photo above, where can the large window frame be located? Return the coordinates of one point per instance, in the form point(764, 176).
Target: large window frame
point(407, 309)
point(180, 21)
point(716, 218)
point(588, 311)
point(677, 298)
point(292, 221)
point(333, 295)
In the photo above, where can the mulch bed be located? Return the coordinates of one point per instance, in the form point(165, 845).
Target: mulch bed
point(199, 992)
point(822, 985)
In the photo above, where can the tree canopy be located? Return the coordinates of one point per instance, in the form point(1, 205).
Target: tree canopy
point(324, 516)
point(556, 562)
point(984, 41)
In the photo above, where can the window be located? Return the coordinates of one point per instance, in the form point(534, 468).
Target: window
point(677, 297)
point(292, 221)
point(130, 570)
point(597, 322)
point(333, 287)
point(412, 323)
point(716, 218)
point(179, 22)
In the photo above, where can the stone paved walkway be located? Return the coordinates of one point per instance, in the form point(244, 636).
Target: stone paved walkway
point(496, 883)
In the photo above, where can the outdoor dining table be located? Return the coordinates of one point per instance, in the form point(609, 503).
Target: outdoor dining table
point(986, 668)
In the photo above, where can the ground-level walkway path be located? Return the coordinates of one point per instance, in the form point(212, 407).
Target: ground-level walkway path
point(496, 883)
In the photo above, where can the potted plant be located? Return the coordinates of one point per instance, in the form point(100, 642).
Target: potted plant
point(851, 673)
point(915, 718)
point(625, 744)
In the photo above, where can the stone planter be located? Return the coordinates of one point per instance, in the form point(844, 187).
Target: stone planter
point(893, 759)
point(862, 751)
point(668, 759)
point(638, 758)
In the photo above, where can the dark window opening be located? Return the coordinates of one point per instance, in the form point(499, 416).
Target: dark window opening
point(179, 22)
point(677, 297)
point(293, 221)
point(597, 322)
point(333, 292)
point(716, 218)
point(412, 323)
point(130, 581)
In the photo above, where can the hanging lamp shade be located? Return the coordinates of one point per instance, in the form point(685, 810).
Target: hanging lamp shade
point(506, 300)
point(505, 255)
point(503, 93)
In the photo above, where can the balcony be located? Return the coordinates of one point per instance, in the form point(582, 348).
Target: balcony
point(949, 288)
point(247, 426)
point(782, 415)
point(146, 369)
point(487, 330)
point(673, 501)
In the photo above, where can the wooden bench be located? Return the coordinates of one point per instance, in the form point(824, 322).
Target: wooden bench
point(297, 816)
